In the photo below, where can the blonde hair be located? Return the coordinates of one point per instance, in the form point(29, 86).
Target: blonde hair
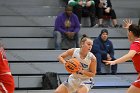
point(83, 39)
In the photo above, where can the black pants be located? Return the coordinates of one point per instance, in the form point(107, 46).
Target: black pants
point(101, 12)
point(99, 58)
point(85, 11)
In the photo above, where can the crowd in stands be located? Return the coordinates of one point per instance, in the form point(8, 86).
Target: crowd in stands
point(95, 9)
point(67, 27)
point(84, 8)
point(104, 10)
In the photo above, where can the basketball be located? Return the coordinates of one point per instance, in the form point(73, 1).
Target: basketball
point(72, 65)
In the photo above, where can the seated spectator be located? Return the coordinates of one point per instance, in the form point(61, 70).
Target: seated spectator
point(104, 8)
point(67, 27)
point(85, 8)
point(103, 50)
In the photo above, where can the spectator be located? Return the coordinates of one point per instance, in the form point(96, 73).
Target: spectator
point(84, 7)
point(67, 27)
point(6, 79)
point(103, 50)
point(104, 8)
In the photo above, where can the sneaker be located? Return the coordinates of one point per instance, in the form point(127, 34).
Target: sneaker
point(96, 25)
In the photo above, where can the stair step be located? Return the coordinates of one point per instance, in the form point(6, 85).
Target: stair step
point(100, 81)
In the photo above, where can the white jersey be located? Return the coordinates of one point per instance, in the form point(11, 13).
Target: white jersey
point(84, 62)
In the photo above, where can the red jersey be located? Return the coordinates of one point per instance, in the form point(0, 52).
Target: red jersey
point(4, 67)
point(136, 59)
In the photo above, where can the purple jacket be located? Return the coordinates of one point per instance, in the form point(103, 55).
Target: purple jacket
point(60, 26)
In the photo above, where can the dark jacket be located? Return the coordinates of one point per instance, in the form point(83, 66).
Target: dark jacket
point(103, 47)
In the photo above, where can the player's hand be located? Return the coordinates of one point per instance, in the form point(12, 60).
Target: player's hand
point(107, 10)
point(127, 23)
point(108, 57)
point(80, 71)
point(109, 62)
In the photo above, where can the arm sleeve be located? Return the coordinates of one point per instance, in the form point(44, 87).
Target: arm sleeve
point(135, 46)
point(77, 24)
point(58, 25)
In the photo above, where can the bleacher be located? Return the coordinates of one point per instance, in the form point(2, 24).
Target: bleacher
point(26, 28)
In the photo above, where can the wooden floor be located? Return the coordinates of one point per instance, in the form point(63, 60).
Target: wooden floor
point(105, 90)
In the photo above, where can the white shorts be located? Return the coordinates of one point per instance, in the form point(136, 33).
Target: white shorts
point(72, 83)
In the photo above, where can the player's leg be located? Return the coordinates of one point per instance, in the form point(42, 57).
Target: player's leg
point(82, 89)
point(2, 88)
point(7, 84)
point(61, 89)
point(57, 39)
point(85, 86)
point(133, 89)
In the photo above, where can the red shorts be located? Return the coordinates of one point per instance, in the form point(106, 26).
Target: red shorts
point(137, 83)
point(7, 83)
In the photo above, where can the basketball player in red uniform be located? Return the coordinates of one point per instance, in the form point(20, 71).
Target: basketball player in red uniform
point(6, 78)
point(133, 54)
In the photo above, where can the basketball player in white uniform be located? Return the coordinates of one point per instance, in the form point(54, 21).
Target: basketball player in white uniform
point(81, 81)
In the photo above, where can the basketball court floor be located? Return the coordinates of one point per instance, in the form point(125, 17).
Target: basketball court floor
point(105, 90)
point(122, 82)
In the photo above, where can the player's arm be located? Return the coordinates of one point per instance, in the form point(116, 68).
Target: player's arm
point(126, 57)
point(122, 59)
point(61, 57)
point(92, 68)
